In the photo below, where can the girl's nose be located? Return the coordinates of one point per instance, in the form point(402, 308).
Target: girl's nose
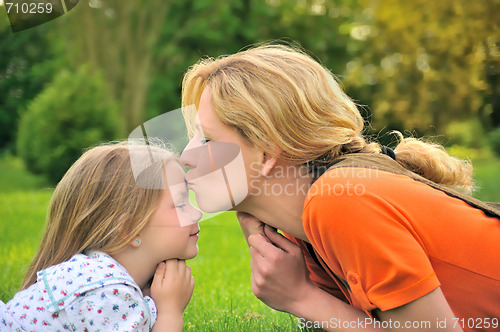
point(195, 213)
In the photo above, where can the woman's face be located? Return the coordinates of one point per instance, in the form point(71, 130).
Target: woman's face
point(222, 163)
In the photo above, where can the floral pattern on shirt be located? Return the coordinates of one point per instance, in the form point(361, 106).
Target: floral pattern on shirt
point(86, 293)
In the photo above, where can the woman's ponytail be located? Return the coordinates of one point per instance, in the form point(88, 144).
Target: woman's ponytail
point(433, 163)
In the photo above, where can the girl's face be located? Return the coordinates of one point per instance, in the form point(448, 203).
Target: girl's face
point(172, 231)
point(222, 162)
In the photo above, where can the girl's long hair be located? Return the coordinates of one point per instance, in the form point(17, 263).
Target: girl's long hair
point(97, 205)
point(278, 97)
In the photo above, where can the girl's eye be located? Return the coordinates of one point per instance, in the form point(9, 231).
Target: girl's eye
point(180, 206)
point(205, 140)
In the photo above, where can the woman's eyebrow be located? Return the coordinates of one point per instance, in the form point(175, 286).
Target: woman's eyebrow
point(199, 128)
point(202, 129)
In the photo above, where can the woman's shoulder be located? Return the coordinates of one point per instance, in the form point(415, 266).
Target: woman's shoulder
point(356, 197)
point(348, 199)
point(355, 183)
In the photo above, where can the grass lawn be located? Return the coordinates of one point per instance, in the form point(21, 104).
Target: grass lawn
point(222, 300)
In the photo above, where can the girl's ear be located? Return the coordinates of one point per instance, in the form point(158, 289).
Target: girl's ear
point(125, 232)
point(135, 242)
point(269, 161)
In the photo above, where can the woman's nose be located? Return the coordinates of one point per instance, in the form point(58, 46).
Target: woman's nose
point(189, 156)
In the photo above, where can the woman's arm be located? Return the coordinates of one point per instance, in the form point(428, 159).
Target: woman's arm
point(430, 311)
point(280, 279)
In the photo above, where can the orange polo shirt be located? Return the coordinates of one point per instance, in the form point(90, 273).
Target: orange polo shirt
point(386, 240)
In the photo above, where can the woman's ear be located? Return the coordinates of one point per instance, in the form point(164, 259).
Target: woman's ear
point(269, 161)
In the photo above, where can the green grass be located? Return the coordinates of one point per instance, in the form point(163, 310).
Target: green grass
point(23, 203)
point(222, 299)
point(15, 178)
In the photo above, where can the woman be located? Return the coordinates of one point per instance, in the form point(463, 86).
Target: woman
point(377, 243)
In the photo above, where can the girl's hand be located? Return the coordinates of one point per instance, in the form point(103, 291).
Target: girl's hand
point(279, 275)
point(172, 287)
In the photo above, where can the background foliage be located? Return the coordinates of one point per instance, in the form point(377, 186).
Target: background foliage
point(429, 63)
point(71, 114)
point(429, 68)
point(423, 67)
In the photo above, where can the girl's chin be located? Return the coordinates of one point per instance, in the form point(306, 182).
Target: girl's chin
point(192, 253)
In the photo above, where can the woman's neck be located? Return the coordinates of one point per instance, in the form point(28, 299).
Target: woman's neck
point(278, 199)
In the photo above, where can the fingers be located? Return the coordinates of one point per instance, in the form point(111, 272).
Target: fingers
point(254, 253)
point(159, 275)
point(249, 224)
point(160, 269)
point(244, 217)
point(261, 244)
point(172, 287)
point(279, 240)
point(171, 269)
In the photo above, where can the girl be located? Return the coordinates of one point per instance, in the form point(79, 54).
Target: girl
point(385, 234)
point(106, 236)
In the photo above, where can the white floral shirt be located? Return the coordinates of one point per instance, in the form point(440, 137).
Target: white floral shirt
point(86, 293)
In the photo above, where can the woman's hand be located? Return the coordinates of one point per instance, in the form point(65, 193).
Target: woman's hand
point(250, 225)
point(280, 278)
point(279, 275)
point(171, 290)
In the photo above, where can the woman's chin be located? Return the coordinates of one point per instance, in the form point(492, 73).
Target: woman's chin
point(213, 206)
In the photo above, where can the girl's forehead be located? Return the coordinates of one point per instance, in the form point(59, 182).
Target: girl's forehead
point(174, 173)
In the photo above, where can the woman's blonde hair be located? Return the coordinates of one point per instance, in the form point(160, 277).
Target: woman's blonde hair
point(97, 205)
point(278, 97)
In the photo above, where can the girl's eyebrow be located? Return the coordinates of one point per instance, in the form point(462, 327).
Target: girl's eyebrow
point(180, 195)
point(197, 125)
point(177, 198)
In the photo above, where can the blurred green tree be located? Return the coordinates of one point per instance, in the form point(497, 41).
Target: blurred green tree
point(427, 63)
point(22, 75)
point(214, 28)
point(144, 50)
point(416, 64)
point(72, 113)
